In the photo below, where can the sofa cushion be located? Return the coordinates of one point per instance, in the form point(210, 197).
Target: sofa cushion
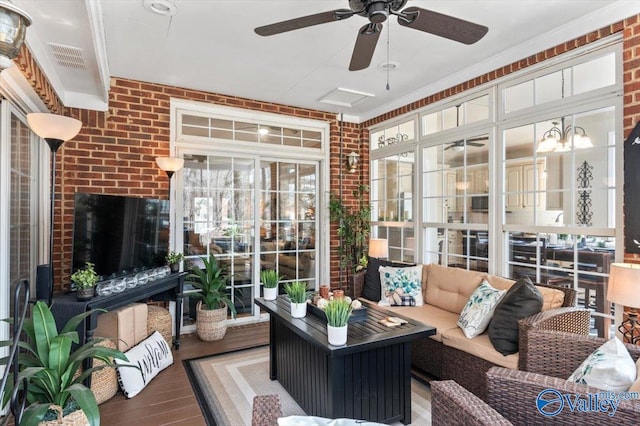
point(552, 298)
point(372, 286)
point(397, 283)
point(477, 313)
point(609, 367)
point(450, 288)
point(430, 315)
point(479, 346)
point(522, 299)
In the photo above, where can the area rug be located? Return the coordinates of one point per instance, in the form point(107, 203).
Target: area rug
point(226, 384)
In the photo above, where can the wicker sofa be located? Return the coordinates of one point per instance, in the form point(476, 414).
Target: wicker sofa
point(511, 395)
point(449, 354)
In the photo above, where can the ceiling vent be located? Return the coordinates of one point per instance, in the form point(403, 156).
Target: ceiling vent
point(344, 97)
point(68, 56)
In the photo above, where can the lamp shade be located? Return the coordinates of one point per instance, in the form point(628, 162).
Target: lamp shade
point(170, 164)
point(624, 284)
point(52, 126)
point(378, 248)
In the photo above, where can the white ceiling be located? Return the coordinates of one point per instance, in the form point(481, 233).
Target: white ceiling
point(210, 45)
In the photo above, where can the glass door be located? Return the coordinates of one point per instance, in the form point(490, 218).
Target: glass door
point(251, 214)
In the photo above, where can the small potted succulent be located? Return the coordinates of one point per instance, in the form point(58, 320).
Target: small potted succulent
point(297, 292)
point(337, 311)
point(173, 260)
point(85, 280)
point(270, 280)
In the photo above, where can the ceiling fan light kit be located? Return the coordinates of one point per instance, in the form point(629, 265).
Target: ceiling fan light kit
point(377, 12)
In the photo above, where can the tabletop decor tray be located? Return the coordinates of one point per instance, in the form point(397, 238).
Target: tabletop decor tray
point(356, 314)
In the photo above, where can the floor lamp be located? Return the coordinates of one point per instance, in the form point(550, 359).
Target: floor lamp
point(170, 165)
point(55, 130)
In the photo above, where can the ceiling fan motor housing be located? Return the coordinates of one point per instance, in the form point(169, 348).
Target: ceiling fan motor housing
point(376, 11)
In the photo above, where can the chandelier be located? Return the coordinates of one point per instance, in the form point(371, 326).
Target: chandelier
point(562, 139)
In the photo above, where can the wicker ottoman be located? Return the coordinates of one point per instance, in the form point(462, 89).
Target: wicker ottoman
point(159, 319)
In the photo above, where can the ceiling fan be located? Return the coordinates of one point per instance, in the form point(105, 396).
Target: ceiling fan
point(377, 11)
point(459, 145)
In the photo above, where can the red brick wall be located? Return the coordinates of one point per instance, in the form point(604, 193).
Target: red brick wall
point(115, 151)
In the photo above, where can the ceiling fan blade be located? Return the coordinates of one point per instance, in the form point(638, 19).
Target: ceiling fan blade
point(479, 138)
point(303, 22)
point(365, 46)
point(474, 144)
point(442, 25)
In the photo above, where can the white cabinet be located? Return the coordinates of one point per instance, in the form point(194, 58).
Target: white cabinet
point(479, 178)
point(521, 180)
point(451, 191)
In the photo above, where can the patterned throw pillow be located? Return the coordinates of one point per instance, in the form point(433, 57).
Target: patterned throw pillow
point(401, 285)
point(477, 313)
point(609, 367)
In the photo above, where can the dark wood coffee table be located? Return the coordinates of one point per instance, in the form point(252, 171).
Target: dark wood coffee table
point(369, 378)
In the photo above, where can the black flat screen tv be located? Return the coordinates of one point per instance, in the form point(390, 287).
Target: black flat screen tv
point(119, 234)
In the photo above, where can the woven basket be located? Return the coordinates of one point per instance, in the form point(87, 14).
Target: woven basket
point(211, 324)
point(159, 319)
point(77, 418)
point(104, 382)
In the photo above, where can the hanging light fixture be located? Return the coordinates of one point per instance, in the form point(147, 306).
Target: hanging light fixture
point(562, 139)
point(13, 28)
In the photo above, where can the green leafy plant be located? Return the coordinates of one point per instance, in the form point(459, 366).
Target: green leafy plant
point(85, 277)
point(337, 312)
point(50, 365)
point(354, 223)
point(174, 257)
point(270, 278)
point(297, 291)
point(212, 283)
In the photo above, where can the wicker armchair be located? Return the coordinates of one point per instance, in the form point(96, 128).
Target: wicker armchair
point(553, 356)
point(266, 410)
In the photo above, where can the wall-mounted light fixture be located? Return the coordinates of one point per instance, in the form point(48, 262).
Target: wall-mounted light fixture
point(352, 161)
point(13, 28)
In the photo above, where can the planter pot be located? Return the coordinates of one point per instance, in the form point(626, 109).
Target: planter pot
point(337, 336)
point(175, 267)
point(298, 310)
point(76, 418)
point(270, 293)
point(211, 324)
point(85, 293)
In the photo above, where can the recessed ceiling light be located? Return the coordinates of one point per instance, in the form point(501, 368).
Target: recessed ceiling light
point(161, 7)
point(389, 66)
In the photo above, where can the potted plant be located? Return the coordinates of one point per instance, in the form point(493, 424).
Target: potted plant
point(270, 280)
point(337, 311)
point(211, 310)
point(353, 230)
point(173, 260)
point(85, 280)
point(297, 292)
point(54, 388)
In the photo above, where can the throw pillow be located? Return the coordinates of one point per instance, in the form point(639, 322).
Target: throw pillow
point(522, 299)
point(609, 367)
point(371, 290)
point(401, 286)
point(151, 356)
point(477, 313)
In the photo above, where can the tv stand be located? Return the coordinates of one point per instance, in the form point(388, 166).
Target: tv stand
point(171, 287)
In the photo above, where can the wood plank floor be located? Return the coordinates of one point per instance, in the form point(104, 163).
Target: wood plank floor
point(169, 399)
